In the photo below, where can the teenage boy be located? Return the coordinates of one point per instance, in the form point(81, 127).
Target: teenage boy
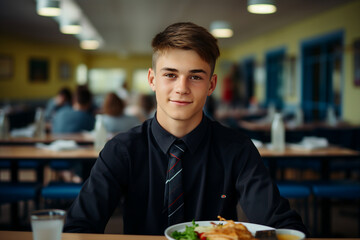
point(220, 167)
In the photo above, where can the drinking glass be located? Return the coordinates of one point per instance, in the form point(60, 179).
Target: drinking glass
point(47, 224)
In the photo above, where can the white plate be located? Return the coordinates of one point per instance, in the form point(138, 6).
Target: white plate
point(252, 227)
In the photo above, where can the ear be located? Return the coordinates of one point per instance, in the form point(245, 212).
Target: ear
point(213, 82)
point(151, 78)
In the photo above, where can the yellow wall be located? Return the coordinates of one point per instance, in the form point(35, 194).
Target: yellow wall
point(345, 18)
point(18, 86)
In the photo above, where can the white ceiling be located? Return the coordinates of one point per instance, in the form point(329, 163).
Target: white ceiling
point(128, 26)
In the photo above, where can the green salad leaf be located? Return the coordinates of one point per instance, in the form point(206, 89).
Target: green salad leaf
point(188, 234)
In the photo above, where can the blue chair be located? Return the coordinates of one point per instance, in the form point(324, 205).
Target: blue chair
point(335, 190)
point(346, 166)
point(60, 165)
point(4, 165)
point(21, 191)
point(22, 165)
point(298, 191)
point(55, 192)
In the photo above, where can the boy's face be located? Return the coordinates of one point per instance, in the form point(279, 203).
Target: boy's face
point(181, 81)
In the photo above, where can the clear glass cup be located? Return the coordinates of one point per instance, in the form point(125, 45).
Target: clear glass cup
point(47, 224)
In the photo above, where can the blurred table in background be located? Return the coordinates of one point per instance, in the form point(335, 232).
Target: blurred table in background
point(342, 134)
point(80, 138)
point(16, 153)
point(324, 155)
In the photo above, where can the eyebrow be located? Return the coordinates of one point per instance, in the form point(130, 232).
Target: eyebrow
point(169, 69)
point(198, 71)
point(175, 70)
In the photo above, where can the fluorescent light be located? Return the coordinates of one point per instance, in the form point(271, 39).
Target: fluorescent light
point(70, 17)
point(261, 6)
point(48, 8)
point(221, 29)
point(72, 27)
point(89, 44)
point(222, 33)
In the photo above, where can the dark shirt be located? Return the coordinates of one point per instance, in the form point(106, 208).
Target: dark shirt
point(220, 168)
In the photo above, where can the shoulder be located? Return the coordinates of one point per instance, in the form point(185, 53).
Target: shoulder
point(63, 113)
point(230, 142)
point(132, 138)
point(226, 135)
point(65, 109)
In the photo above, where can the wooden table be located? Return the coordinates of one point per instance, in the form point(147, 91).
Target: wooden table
point(266, 126)
point(324, 155)
point(80, 138)
point(343, 134)
point(14, 154)
point(15, 235)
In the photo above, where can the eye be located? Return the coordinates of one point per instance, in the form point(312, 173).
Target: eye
point(170, 75)
point(195, 77)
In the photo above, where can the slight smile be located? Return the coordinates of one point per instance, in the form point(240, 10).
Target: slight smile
point(180, 102)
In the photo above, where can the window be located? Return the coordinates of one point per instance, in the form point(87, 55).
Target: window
point(140, 81)
point(81, 74)
point(274, 78)
point(105, 80)
point(321, 78)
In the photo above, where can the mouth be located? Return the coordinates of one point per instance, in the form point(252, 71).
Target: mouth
point(180, 102)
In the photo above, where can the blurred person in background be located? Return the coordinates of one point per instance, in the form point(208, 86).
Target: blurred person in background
point(114, 119)
point(147, 105)
point(63, 98)
point(123, 92)
point(142, 106)
point(75, 118)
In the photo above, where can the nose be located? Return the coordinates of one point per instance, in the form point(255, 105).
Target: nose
point(181, 86)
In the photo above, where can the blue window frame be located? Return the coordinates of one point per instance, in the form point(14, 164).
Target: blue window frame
point(320, 58)
point(247, 66)
point(274, 61)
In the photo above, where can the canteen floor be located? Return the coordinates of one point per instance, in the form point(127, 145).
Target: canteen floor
point(345, 216)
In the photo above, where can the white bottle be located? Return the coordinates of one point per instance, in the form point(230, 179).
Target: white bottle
point(100, 133)
point(278, 133)
point(4, 125)
point(271, 112)
point(331, 116)
point(40, 125)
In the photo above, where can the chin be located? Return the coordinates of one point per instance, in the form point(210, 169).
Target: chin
point(183, 116)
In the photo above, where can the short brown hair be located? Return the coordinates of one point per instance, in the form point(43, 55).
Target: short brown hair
point(83, 95)
point(113, 105)
point(187, 36)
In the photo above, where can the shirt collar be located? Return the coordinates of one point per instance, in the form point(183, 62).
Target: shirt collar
point(166, 139)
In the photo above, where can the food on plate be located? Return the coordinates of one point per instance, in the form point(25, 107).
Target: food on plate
point(230, 230)
point(227, 231)
point(188, 234)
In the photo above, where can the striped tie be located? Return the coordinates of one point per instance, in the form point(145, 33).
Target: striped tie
point(174, 198)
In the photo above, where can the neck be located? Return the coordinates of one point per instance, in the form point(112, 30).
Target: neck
point(177, 128)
